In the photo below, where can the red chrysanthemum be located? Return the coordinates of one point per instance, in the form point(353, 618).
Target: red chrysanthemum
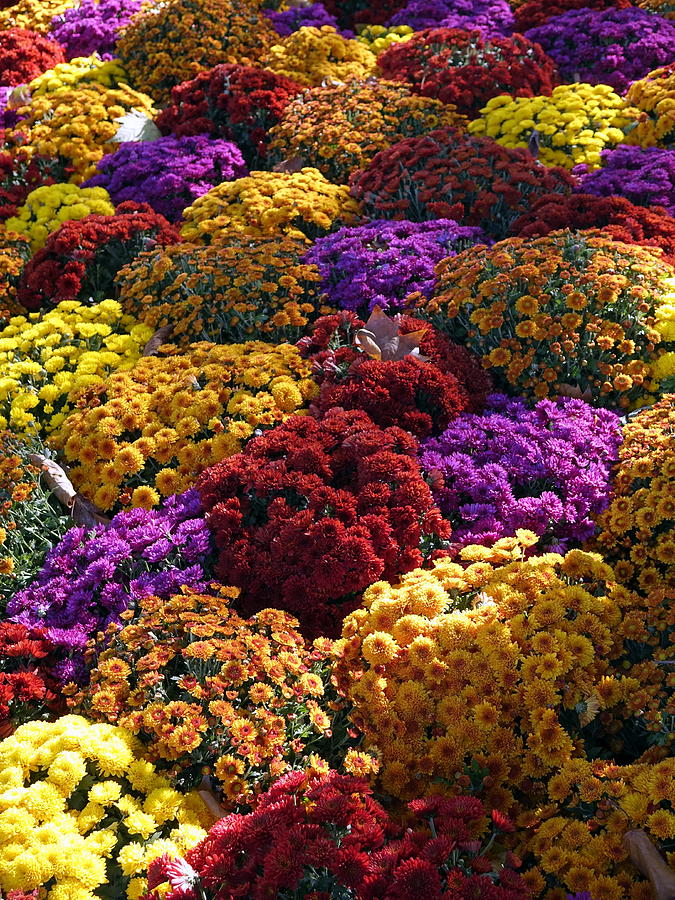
point(536, 12)
point(25, 54)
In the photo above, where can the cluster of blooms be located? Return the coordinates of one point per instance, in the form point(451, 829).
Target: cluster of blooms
point(46, 359)
point(48, 207)
point(606, 46)
point(492, 17)
point(78, 804)
point(569, 128)
point(169, 173)
point(25, 54)
point(651, 101)
point(536, 12)
point(292, 18)
point(26, 693)
point(14, 253)
point(340, 128)
point(80, 260)
point(79, 72)
point(239, 103)
point(236, 291)
point(78, 123)
point(456, 176)
point(33, 15)
point(466, 68)
point(377, 37)
point(260, 689)
point(93, 26)
point(617, 217)
point(312, 512)
point(152, 429)
point(382, 262)
point(30, 520)
point(481, 670)
point(646, 176)
point(264, 204)
point(168, 44)
point(637, 532)
point(352, 13)
point(92, 576)
point(570, 313)
point(311, 56)
point(545, 468)
point(21, 171)
point(323, 834)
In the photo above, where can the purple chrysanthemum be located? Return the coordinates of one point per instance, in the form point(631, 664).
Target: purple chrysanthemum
point(493, 17)
point(93, 26)
point(645, 176)
point(315, 15)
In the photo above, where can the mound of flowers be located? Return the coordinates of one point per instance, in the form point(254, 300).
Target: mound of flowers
point(225, 292)
point(150, 430)
point(94, 574)
point(645, 176)
point(313, 512)
point(93, 26)
point(447, 174)
point(651, 100)
point(567, 313)
point(383, 262)
point(293, 18)
point(617, 217)
point(107, 800)
point(238, 103)
point(311, 56)
point(535, 12)
point(340, 128)
point(81, 259)
point(492, 17)
point(301, 204)
point(168, 174)
point(606, 46)
point(79, 72)
point(25, 54)
point(546, 468)
point(28, 693)
point(21, 171)
point(279, 708)
point(14, 254)
point(466, 68)
point(162, 47)
point(33, 15)
point(326, 832)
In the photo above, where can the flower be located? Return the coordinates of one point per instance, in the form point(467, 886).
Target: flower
point(453, 175)
point(25, 54)
point(312, 55)
point(650, 100)
point(644, 176)
point(93, 26)
point(492, 17)
point(80, 72)
point(301, 204)
point(14, 253)
point(168, 174)
point(466, 68)
point(26, 693)
point(21, 171)
point(33, 15)
point(314, 15)
point(536, 12)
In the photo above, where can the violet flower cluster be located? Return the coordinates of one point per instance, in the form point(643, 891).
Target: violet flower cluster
point(91, 577)
point(493, 17)
point(93, 26)
point(8, 117)
point(546, 469)
point(645, 176)
point(382, 262)
point(606, 46)
point(169, 173)
point(315, 15)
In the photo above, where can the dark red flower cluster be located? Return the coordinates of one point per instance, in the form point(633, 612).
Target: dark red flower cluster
point(467, 68)
point(239, 103)
point(313, 512)
point(449, 174)
point(20, 174)
point(328, 837)
point(369, 12)
point(27, 693)
point(81, 259)
point(331, 347)
point(536, 12)
point(26, 54)
point(650, 226)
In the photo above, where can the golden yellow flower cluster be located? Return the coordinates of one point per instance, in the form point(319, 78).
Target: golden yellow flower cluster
point(231, 292)
point(312, 56)
point(170, 42)
point(339, 128)
point(78, 123)
point(377, 37)
point(576, 840)
point(35, 15)
point(263, 204)
point(81, 70)
point(664, 8)
point(14, 254)
point(48, 207)
point(46, 358)
point(150, 431)
point(572, 126)
point(652, 105)
point(484, 674)
point(66, 787)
